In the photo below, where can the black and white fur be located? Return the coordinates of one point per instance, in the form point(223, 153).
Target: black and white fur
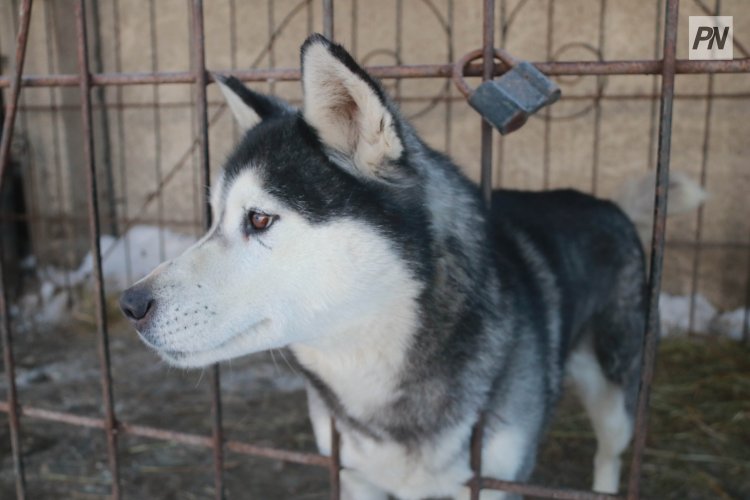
point(410, 308)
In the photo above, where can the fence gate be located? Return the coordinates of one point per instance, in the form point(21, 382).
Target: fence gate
point(88, 82)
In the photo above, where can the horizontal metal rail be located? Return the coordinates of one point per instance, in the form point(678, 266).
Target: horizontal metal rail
point(170, 435)
point(572, 68)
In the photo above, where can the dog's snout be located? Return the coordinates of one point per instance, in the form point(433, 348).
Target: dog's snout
point(136, 302)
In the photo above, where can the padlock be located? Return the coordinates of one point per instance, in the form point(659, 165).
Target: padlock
point(508, 101)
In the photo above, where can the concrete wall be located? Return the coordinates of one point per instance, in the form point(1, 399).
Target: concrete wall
point(145, 131)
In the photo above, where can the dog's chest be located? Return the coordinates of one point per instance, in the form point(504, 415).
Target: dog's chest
point(433, 468)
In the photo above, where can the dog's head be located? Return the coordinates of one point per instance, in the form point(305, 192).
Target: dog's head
point(318, 225)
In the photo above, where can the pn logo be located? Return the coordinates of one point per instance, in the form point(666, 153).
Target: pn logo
point(710, 37)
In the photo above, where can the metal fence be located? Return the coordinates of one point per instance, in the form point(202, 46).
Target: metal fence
point(86, 81)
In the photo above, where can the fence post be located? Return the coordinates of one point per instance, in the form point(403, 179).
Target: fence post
point(5, 330)
point(657, 245)
point(84, 84)
point(199, 68)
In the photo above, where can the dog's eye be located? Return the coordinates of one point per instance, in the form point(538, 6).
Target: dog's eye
point(258, 221)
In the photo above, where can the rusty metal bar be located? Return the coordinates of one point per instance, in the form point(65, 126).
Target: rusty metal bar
point(704, 171)
point(553, 68)
point(544, 491)
point(488, 66)
point(698, 252)
point(334, 467)
point(335, 462)
point(93, 209)
point(15, 84)
point(201, 80)
point(653, 111)
point(488, 71)
point(171, 436)
point(156, 114)
point(328, 19)
point(746, 317)
point(657, 246)
point(217, 432)
point(9, 118)
point(546, 158)
point(476, 483)
point(50, 26)
point(598, 103)
point(42, 108)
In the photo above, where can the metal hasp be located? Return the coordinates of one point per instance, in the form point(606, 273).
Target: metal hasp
point(508, 101)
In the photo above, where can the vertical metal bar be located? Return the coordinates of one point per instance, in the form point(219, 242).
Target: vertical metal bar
point(93, 209)
point(271, 51)
point(488, 66)
point(328, 19)
point(103, 126)
point(399, 6)
point(449, 92)
point(199, 66)
point(335, 468)
point(309, 17)
point(598, 103)
point(11, 109)
point(546, 159)
point(746, 318)
point(657, 244)
point(51, 28)
point(475, 450)
point(353, 20)
point(698, 251)
point(654, 88)
point(233, 54)
point(121, 156)
point(156, 114)
point(218, 432)
point(500, 151)
point(24, 17)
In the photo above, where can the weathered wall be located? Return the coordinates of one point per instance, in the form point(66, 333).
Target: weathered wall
point(146, 131)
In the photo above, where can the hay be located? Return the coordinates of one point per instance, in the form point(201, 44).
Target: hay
point(699, 427)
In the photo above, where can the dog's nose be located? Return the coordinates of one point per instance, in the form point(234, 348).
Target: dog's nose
point(136, 302)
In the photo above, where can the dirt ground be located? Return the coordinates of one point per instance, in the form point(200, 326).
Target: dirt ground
point(698, 448)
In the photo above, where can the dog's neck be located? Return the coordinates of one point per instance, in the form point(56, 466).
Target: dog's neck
point(360, 362)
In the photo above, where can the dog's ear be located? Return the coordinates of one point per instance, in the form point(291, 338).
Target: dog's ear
point(349, 110)
point(248, 107)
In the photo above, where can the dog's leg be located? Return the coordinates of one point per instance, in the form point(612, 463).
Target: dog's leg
point(320, 418)
point(604, 402)
point(353, 485)
point(506, 455)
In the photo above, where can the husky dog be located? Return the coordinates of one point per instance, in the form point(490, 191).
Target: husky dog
point(411, 309)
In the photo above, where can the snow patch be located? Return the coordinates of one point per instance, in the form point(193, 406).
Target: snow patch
point(124, 260)
point(674, 311)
